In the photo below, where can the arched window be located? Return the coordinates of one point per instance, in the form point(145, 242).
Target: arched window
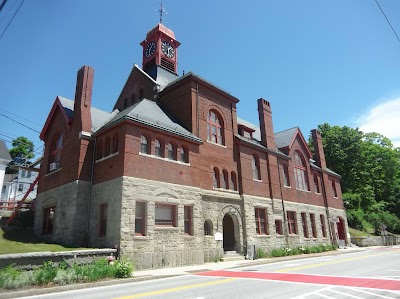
point(125, 103)
point(158, 149)
point(141, 94)
point(55, 151)
point(183, 155)
point(208, 228)
point(233, 184)
point(334, 188)
point(255, 164)
point(99, 149)
point(216, 182)
point(133, 99)
point(171, 152)
point(115, 143)
point(300, 172)
point(214, 128)
point(144, 147)
point(108, 147)
point(225, 182)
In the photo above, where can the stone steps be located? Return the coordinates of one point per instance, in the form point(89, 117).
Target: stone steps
point(232, 256)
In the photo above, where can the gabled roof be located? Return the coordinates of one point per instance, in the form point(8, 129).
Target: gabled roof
point(149, 113)
point(66, 113)
point(286, 138)
point(4, 153)
point(215, 87)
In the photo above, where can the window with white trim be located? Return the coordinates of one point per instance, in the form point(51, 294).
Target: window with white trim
point(300, 172)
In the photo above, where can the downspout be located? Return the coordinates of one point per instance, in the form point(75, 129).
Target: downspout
point(197, 109)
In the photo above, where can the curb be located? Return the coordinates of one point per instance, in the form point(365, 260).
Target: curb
point(111, 282)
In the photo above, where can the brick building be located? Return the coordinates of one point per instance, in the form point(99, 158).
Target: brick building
point(172, 168)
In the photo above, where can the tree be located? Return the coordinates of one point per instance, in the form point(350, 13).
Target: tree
point(370, 170)
point(22, 150)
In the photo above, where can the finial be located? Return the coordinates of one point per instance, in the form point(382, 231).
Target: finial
point(161, 11)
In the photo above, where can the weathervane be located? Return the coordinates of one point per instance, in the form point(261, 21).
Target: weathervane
point(161, 11)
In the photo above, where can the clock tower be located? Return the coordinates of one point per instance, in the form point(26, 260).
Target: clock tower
point(160, 48)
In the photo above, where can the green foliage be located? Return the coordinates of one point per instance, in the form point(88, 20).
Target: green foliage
point(261, 253)
point(22, 149)
point(45, 274)
point(370, 170)
point(124, 269)
point(49, 273)
point(278, 252)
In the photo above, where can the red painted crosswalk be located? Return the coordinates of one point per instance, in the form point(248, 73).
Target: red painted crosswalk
point(373, 283)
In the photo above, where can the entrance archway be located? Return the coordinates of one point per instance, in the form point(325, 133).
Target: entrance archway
point(228, 233)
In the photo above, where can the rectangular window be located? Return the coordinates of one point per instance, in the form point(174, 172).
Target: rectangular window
point(278, 227)
point(316, 184)
point(29, 174)
point(313, 227)
point(323, 226)
point(20, 187)
point(48, 220)
point(165, 215)
point(188, 216)
point(304, 222)
point(285, 175)
point(23, 173)
point(292, 223)
point(103, 220)
point(261, 221)
point(140, 219)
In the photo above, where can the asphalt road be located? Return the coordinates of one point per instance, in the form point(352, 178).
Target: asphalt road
point(374, 273)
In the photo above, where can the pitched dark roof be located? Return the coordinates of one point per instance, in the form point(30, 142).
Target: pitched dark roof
point(149, 113)
point(162, 76)
point(4, 153)
point(284, 138)
point(201, 79)
point(99, 117)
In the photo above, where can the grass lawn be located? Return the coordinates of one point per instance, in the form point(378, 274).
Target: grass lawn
point(17, 240)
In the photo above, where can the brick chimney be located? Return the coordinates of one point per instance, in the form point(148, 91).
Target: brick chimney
point(83, 97)
point(266, 127)
point(319, 155)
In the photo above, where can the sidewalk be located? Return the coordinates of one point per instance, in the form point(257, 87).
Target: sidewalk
point(169, 272)
point(235, 264)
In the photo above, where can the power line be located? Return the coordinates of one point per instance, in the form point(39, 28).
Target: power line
point(16, 115)
point(11, 19)
point(19, 123)
point(387, 20)
point(2, 4)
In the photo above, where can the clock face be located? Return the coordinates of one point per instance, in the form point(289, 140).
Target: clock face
point(150, 49)
point(167, 49)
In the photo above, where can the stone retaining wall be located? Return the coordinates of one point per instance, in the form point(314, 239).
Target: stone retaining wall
point(375, 241)
point(32, 260)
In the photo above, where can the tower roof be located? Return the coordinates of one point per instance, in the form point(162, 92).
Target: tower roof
point(161, 28)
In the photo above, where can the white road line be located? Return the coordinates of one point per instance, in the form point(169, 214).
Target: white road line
point(374, 294)
point(316, 292)
point(346, 294)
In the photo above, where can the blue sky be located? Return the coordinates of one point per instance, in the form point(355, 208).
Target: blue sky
point(315, 61)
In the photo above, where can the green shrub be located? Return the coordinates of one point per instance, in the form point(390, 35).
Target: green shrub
point(124, 268)
point(45, 274)
point(261, 253)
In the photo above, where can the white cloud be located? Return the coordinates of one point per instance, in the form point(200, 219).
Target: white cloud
point(384, 118)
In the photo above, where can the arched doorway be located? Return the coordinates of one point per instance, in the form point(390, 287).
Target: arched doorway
point(228, 233)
